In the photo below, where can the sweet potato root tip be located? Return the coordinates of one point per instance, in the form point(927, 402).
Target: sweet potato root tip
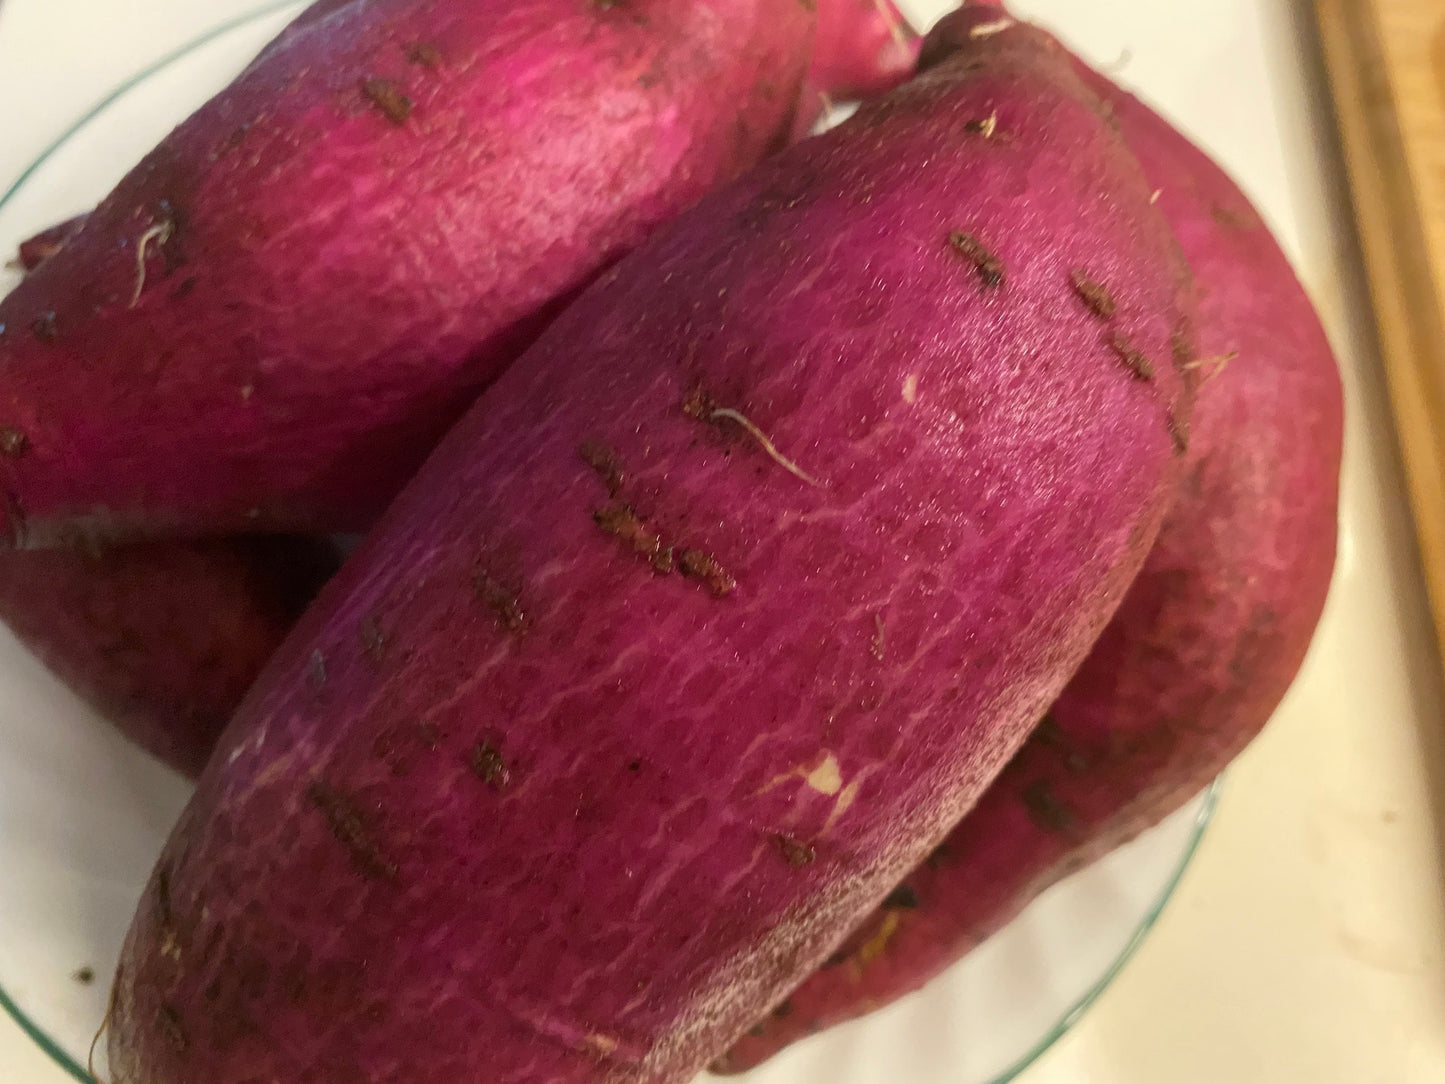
point(988, 30)
point(158, 235)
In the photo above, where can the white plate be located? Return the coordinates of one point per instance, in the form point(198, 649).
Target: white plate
point(82, 815)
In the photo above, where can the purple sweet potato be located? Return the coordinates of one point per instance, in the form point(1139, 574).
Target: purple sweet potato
point(862, 48)
point(163, 638)
point(47, 243)
point(1205, 644)
point(274, 316)
point(702, 628)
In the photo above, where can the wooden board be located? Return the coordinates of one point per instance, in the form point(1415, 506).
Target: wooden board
point(1386, 60)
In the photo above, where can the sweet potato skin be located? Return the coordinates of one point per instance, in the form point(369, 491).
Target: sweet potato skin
point(663, 712)
point(274, 316)
point(163, 638)
point(1204, 646)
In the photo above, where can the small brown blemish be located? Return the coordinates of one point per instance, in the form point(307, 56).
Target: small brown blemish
point(388, 98)
point(1132, 358)
point(398, 745)
point(604, 461)
point(795, 851)
point(1094, 294)
point(622, 522)
point(487, 764)
point(373, 640)
point(350, 826)
point(168, 1022)
point(1231, 219)
point(1181, 349)
point(424, 54)
point(698, 565)
point(990, 268)
point(1045, 810)
point(506, 607)
point(699, 404)
point(1178, 433)
point(783, 1011)
point(85, 976)
point(902, 898)
point(13, 443)
point(44, 327)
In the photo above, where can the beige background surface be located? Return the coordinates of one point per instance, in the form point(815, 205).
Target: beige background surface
point(1307, 942)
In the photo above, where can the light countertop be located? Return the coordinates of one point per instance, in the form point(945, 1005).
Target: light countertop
point(1307, 941)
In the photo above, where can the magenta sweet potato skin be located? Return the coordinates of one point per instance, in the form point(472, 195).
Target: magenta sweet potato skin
point(274, 316)
point(1204, 646)
point(163, 638)
point(661, 713)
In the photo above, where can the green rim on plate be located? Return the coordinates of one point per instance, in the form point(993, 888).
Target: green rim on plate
point(1065, 1022)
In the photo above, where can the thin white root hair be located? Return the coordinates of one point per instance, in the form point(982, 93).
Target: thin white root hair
point(988, 30)
point(767, 445)
point(894, 23)
point(160, 233)
point(1217, 364)
point(95, 1042)
point(1119, 63)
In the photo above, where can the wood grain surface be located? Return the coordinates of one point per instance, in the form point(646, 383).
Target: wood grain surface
point(1386, 60)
